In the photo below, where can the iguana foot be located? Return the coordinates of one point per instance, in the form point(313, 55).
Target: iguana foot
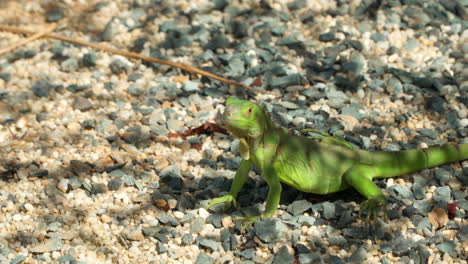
point(372, 208)
point(227, 199)
point(248, 221)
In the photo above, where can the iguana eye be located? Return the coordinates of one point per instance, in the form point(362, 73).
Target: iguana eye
point(249, 111)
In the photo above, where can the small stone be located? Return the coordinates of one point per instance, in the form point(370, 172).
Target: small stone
point(190, 86)
point(299, 207)
point(207, 243)
point(327, 37)
point(135, 89)
point(167, 219)
point(82, 104)
point(6, 76)
point(187, 239)
point(171, 177)
point(134, 234)
point(283, 256)
point(197, 225)
point(106, 218)
point(78, 167)
point(89, 59)
point(268, 229)
point(54, 15)
point(309, 258)
point(69, 65)
point(204, 259)
point(448, 247)
point(42, 88)
point(52, 244)
point(98, 188)
point(18, 259)
point(62, 185)
point(119, 66)
point(114, 184)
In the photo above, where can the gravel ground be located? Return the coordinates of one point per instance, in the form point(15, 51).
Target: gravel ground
point(89, 173)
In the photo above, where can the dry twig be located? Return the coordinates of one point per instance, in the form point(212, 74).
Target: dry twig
point(134, 55)
point(27, 40)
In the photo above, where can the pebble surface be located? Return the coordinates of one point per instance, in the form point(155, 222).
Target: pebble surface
point(89, 174)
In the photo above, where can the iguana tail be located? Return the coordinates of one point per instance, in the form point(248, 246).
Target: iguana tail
point(391, 164)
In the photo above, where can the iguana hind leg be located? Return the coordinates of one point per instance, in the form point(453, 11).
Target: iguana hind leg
point(360, 178)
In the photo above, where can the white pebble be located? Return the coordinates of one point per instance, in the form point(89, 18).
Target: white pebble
point(17, 217)
point(62, 185)
point(203, 213)
point(464, 122)
point(29, 207)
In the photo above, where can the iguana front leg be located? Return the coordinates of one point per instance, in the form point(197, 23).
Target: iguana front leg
point(239, 180)
point(360, 177)
point(272, 201)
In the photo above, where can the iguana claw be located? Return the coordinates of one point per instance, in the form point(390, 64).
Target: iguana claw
point(372, 207)
point(248, 221)
point(227, 199)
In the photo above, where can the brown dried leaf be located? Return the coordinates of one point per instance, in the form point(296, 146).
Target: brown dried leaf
point(162, 204)
point(207, 128)
point(438, 218)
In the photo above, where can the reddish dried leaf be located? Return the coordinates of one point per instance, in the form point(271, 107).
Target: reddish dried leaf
point(162, 204)
point(257, 82)
point(452, 209)
point(197, 146)
point(206, 128)
point(438, 218)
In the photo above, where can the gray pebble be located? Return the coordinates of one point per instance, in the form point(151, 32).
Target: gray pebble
point(442, 175)
point(207, 243)
point(233, 163)
point(167, 219)
point(42, 88)
point(175, 125)
point(268, 229)
point(110, 30)
point(335, 260)
point(49, 245)
point(114, 184)
point(18, 259)
point(118, 66)
point(283, 256)
point(204, 259)
point(448, 247)
point(161, 248)
point(187, 239)
point(135, 89)
point(69, 65)
point(89, 59)
point(98, 188)
point(54, 15)
point(422, 206)
point(327, 37)
point(151, 231)
point(442, 194)
point(197, 225)
point(401, 193)
point(299, 207)
point(82, 104)
point(6, 76)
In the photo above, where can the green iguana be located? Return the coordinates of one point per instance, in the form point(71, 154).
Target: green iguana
point(316, 167)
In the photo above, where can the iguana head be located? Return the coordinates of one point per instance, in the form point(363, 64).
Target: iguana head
point(243, 118)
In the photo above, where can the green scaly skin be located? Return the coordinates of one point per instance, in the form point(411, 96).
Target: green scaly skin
point(322, 167)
